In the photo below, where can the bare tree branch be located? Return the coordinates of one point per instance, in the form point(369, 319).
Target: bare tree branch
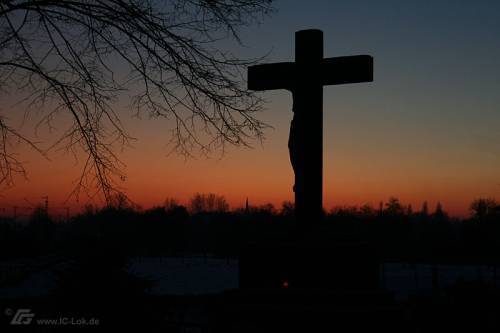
point(70, 56)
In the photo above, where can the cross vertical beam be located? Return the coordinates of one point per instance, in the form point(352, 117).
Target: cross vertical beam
point(308, 127)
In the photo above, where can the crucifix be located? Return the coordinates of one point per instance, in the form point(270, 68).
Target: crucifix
point(305, 79)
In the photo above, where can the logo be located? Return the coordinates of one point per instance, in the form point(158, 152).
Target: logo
point(22, 317)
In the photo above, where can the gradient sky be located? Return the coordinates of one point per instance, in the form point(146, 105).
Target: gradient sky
point(427, 128)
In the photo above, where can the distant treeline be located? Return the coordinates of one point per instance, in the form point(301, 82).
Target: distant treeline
point(207, 226)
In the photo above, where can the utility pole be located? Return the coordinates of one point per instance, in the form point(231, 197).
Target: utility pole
point(46, 204)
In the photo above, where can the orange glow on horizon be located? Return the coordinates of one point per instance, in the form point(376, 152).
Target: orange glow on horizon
point(354, 172)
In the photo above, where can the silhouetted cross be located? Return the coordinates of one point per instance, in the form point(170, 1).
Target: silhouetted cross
point(305, 78)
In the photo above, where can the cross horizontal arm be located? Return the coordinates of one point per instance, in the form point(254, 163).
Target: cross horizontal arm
point(271, 76)
point(350, 69)
point(337, 70)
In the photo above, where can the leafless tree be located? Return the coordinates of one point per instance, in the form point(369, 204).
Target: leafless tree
point(204, 203)
point(483, 207)
point(68, 57)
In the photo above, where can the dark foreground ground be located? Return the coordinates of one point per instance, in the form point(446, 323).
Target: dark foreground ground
point(466, 308)
point(95, 293)
point(281, 288)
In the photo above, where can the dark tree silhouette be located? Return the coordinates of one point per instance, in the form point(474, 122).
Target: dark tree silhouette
point(439, 212)
point(69, 57)
point(409, 210)
point(425, 209)
point(367, 211)
point(393, 207)
point(483, 207)
point(205, 203)
point(287, 208)
point(170, 204)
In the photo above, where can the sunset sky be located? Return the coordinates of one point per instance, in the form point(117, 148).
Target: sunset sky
point(427, 128)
